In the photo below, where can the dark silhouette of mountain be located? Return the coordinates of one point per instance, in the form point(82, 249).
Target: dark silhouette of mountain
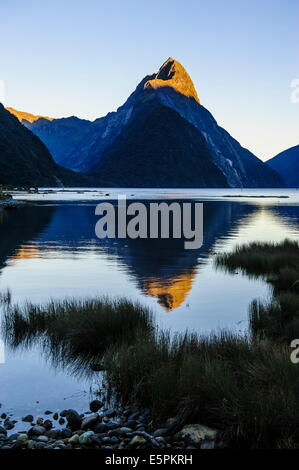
point(87, 142)
point(287, 165)
point(24, 159)
point(159, 149)
point(63, 138)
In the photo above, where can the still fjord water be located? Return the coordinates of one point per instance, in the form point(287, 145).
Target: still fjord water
point(48, 249)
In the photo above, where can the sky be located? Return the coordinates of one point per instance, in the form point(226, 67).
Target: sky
point(70, 57)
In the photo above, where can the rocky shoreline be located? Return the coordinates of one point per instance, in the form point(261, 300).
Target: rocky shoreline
point(103, 428)
point(8, 204)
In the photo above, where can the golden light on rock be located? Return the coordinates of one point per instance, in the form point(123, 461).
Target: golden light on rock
point(23, 116)
point(172, 74)
point(171, 292)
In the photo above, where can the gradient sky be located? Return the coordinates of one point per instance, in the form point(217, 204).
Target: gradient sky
point(83, 58)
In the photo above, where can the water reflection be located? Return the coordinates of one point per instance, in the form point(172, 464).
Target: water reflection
point(18, 228)
point(163, 269)
point(51, 251)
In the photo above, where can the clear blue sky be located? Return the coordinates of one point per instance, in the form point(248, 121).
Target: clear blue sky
point(71, 57)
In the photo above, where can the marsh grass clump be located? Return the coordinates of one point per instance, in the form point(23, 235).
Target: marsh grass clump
point(277, 319)
point(247, 389)
point(159, 368)
point(262, 259)
point(76, 329)
point(5, 298)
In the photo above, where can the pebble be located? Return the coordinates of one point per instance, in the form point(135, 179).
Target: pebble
point(74, 440)
point(133, 417)
point(110, 413)
point(28, 419)
point(36, 430)
point(48, 424)
point(85, 438)
point(95, 405)
point(42, 439)
point(101, 428)
point(128, 431)
point(161, 432)
point(131, 423)
point(66, 433)
point(22, 438)
point(74, 420)
point(137, 440)
point(54, 433)
point(123, 430)
point(90, 421)
point(8, 424)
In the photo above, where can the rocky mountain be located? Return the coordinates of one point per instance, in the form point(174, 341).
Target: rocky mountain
point(24, 159)
point(63, 138)
point(159, 149)
point(30, 118)
point(287, 165)
point(81, 145)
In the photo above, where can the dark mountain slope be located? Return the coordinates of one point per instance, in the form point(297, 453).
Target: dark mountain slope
point(25, 159)
point(81, 145)
point(287, 165)
point(160, 149)
point(62, 137)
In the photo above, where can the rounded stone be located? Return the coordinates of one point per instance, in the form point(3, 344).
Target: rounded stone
point(86, 438)
point(95, 405)
point(28, 419)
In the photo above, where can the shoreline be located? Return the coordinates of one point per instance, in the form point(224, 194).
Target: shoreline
point(106, 429)
point(7, 204)
point(262, 196)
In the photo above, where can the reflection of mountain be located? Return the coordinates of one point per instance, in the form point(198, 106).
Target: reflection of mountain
point(288, 214)
point(172, 292)
point(18, 227)
point(165, 269)
point(162, 268)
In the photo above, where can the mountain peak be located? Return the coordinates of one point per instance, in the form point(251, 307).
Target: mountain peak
point(172, 74)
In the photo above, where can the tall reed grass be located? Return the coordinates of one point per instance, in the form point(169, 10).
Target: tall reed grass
point(245, 386)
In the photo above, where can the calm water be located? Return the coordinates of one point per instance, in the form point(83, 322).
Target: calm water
point(48, 249)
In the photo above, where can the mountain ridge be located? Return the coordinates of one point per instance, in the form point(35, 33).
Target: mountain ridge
point(286, 163)
point(81, 147)
point(25, 160)
point(161, 149)
point(24, 116)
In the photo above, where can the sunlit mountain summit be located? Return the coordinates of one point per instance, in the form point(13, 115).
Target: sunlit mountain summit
point(161, 136)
